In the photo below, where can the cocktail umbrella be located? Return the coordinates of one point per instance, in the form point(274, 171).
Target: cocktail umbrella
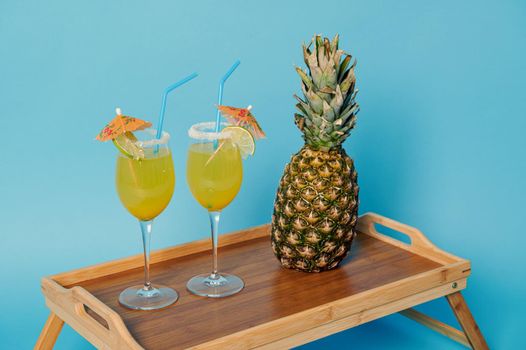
point(120, 125)
point(242, 117)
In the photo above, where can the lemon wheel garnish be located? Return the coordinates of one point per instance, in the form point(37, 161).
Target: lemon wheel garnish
point(127, 145)
point(242, 138)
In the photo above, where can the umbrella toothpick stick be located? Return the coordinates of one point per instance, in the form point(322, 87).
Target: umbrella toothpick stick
point(119, 112)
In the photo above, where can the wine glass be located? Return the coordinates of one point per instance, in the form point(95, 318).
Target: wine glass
point(214, 173)
point(145, 187)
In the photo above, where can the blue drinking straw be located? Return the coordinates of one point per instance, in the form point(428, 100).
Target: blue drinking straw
point(220, 94)
point(163, 104)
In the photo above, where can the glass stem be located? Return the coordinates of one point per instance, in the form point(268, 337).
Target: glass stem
point(146, 229)
point(214, 226)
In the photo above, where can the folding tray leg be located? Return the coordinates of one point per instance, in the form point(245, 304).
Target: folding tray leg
point(467, 322)
point(50, 333)
point(471, 336)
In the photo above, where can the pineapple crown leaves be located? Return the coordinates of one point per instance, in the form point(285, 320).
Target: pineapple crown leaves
point(327, 111)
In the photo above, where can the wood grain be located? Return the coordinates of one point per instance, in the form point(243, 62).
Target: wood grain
point(137, 261)
point(277, 308)
point(360, 318)
point(50, 332)
point(420, 244)
point(271, 292)
point(437, 326)
point(467, 322)
point(91, 318)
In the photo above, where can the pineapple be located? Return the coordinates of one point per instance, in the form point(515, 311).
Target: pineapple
point(316, 205)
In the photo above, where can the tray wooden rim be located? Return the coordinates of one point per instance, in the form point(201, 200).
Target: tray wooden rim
point(69, 302)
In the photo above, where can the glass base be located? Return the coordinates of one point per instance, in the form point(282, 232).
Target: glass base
point(138, 298)
point(218, 286)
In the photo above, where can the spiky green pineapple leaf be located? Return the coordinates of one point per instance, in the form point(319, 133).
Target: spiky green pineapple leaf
point(315, 101)
point(319, 42)
point(300, 108)
point(343, 67)
point(312, 59)
point(348, 81)
point(304, 77)
point(350, 98)
point(299, 120)
point(328, 112)
point(336, 58)
point(334, 43)
point(328, 109)
point(305, 108)
point(337, 101)
point(322, 58)
point(348, 113)
point(306, 54)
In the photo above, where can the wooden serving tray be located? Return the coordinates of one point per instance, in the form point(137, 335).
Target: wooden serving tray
point(278, 308)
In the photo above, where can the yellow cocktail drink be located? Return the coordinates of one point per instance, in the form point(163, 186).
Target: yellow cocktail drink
point(145, 186)
point(214, 174)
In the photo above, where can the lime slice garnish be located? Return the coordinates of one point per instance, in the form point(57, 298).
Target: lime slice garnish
point(127, 144)
point(242, 138)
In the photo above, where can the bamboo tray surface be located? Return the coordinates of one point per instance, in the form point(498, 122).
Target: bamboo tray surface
point(276, 303)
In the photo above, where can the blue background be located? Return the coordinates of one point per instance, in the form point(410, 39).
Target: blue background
point(439, 144)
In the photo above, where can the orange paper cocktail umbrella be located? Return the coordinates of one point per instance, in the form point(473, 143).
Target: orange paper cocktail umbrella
point(120, 125)
point(242, 117)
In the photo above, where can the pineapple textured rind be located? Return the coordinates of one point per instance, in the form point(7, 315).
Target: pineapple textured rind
point(316, 206)
point(315, 211)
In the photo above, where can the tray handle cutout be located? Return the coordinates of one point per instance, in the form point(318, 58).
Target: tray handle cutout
point(96, 317)
point(81, 309)
point(367, 224)
point(90, 310)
